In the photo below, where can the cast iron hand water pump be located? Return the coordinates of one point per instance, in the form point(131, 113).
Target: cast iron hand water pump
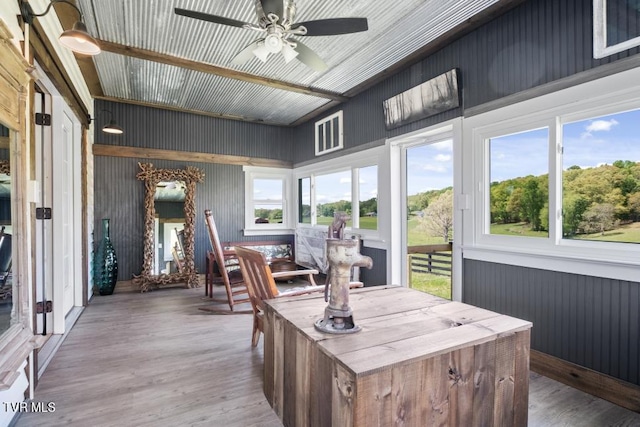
point(342, 255)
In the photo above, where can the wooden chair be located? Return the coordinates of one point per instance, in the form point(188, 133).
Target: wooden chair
point(234, 286)
point(178, 257)
point(261, 285)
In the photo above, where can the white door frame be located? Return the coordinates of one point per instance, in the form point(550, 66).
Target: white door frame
point(397, 253)
point(55, 282)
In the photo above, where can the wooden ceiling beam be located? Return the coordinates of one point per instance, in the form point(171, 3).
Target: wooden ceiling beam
point(149, 55)
point(186, 156)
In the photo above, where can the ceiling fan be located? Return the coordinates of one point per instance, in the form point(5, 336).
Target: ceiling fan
point(276, 23)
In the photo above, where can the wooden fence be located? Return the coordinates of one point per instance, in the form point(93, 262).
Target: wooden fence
point(431, 259)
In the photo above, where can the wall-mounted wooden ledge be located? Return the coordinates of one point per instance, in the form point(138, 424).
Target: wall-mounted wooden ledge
point(186, 156)
point(595, 383)
point(14, 350)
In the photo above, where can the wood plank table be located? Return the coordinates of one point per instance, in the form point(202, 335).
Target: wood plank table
point(419, 361)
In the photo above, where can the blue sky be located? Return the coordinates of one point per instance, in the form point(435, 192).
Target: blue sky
point(429, 167)
point(337, 186)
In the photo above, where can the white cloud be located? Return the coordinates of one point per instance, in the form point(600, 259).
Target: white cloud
point(444, 145)
point(434, 168)
point(443, 157)
point(601, 125)
point(345, 180)
point(598, 126)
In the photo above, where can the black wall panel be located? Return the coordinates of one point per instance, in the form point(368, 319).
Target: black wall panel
point(591, 321)
point(378, 273)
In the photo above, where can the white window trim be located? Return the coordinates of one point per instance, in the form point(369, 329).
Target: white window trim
point(371, 157)
point(603, 259)
point(323, 122)
point(600, 48)
point(250, 227)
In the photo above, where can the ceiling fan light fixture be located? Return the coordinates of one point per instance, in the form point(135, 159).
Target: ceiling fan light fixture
point(79, 40)
point(261, 52)
point(288, 53)
point(273, 43)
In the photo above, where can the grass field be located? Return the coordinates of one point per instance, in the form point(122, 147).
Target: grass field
point(430, 283)
point(366, 222)
point(627, 233)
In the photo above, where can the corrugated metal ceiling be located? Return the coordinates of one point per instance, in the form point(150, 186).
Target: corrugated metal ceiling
point(396, 30)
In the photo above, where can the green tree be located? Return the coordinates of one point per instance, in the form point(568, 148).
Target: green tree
point(438, 217)
point(533, 199)
point(573, 208)
point(499, 198)
point(275, 215)
point(634, 206)
point(599, 218)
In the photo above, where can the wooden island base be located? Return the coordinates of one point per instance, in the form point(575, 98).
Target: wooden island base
point(419, 361)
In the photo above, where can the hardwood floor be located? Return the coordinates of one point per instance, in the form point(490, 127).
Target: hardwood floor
point(155, 359)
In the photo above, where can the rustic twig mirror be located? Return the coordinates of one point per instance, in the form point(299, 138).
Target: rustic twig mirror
point(155, 181)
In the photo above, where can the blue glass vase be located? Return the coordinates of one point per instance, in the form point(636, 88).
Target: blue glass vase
point(105, 263)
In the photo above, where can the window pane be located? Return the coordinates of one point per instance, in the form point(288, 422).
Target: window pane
point(333, 193)
point(519, 184)
point(268, 200)
point(368, 189)
point(601, 178)
point(623, 21)
point(304, 200)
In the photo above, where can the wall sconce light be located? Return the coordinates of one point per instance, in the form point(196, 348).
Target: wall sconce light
point(76, 39)
point(112, 127)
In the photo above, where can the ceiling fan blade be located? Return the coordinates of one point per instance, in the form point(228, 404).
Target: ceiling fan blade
point(309, 57)
point(330, 27)
point(210, 18)
point(273, 6)
point(246, 53)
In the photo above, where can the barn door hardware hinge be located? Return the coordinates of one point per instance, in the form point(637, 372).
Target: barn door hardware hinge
point(48, 307)
point(43, 119)
point(43, 213)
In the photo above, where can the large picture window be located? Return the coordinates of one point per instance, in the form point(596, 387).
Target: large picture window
point(596, 180)
point(556, 181)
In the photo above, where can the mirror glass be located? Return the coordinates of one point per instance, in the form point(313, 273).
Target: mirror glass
point(6, 282)
point(169, 227)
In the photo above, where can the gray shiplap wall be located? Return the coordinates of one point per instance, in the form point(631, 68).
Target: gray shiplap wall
point(591, 321)
point(171, 130)
point(538, 42)
point(119, 195)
